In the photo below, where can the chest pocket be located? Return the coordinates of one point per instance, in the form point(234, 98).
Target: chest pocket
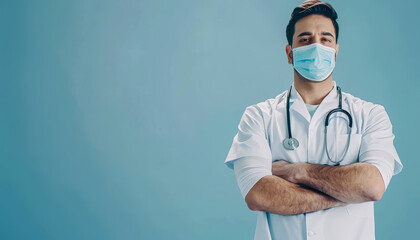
point(353, 141)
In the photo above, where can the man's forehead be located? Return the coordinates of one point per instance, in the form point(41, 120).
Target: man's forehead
point(314, 24)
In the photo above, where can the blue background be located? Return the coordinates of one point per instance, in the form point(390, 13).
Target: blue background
point(116, 116)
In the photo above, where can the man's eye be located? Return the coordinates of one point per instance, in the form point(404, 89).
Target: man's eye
point(303, 39)
point(326, 39)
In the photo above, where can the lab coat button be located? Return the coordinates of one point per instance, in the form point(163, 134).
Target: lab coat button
point(310, 234)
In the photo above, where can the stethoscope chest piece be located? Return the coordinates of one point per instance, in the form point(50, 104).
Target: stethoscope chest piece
point(291, 143)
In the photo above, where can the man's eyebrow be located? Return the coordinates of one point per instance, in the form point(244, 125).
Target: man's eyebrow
point(327, 34)
point(304, 34)
point(310, 34)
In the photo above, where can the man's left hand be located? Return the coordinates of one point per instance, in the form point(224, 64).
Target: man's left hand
point(291, 172)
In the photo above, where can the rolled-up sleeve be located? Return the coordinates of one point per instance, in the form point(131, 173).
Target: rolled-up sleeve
point(377, 146)
point(250, 154)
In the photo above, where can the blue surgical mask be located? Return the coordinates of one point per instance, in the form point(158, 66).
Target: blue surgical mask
point(314, 62)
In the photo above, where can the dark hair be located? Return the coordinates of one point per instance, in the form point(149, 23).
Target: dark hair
point(307, 8)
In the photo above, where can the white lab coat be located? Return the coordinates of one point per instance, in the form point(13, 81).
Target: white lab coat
point(261, 133)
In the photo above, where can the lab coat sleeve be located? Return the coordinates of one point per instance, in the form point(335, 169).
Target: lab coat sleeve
point(250, 154)
point(377, 146)
point(249, 170)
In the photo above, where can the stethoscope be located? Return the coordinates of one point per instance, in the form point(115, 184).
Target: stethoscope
point(292, 143)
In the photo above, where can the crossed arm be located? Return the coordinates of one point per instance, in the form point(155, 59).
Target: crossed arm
point(302, 187)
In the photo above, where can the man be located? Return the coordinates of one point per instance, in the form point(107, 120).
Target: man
point(310, 171)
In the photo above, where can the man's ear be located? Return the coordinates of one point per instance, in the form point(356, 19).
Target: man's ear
point(289, 54)
point(336, 51)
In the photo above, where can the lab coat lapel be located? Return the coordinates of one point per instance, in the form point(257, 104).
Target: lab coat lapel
point(298, 105)
point(329, 103)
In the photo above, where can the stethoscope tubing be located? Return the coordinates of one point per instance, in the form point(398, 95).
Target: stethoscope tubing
point(291, 143)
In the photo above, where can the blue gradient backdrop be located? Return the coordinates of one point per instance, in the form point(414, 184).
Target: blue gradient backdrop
point(116, 116)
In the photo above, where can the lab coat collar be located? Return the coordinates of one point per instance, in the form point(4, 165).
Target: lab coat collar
point(328, 103)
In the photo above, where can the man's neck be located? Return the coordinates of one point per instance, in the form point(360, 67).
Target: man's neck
point(312, 92)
